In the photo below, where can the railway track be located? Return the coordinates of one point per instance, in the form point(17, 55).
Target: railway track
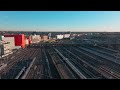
point(114, 66)
point(10, 62)
point(103, 51)
point(90, 71)
point(60, 62)
point(101, 55)
point(33, 68)
point(54, 71)
point(15, 70)
point(63, 70)
point(71, 65)
point(22, 56)
point(93, 61)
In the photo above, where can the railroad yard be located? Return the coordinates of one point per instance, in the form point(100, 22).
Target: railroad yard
point(39, 61)
point(59, 45)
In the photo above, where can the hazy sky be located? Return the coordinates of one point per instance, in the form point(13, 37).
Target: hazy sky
point(60, 20)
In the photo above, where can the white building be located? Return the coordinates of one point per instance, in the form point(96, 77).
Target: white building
point(35, 38)
point(66, 35)
point(9, 44)
point(59, 36)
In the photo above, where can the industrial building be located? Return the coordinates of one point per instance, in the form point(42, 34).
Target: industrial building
point(9, 44)
point(44, 38)
point(66, 35)
point(19, 39)
point(27, 41)
point(59, 36)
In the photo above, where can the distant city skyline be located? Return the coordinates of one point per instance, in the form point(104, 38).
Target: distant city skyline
point(80, 21)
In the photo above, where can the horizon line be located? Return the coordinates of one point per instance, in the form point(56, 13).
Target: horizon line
point(54, 31)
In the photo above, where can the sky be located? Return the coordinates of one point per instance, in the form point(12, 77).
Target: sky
point(81, 21)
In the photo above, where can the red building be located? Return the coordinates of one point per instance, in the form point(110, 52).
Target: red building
point(19, 39)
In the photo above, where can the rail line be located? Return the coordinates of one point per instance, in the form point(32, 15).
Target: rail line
point(90, 70)
point(63, 70)
point(92, 61)
point(61, 62)
point(71, 65)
